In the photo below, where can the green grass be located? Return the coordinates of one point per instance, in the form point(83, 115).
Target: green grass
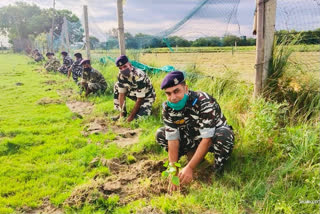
point(274, 166)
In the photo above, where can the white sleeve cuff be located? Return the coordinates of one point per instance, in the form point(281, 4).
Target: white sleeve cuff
point(207, 132)
point(122, 90)
point(172, 134)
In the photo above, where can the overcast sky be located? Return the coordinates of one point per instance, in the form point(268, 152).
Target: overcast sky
point(216, 18)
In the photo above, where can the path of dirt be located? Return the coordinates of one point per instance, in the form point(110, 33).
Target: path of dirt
point(130, 182)
point(81, 108)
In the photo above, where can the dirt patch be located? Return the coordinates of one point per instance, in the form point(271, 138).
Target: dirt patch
point(94, 127)
point(50, 82)
point(46, 207)
point(66, 92)
point(126, 137)
point(81, 108)
point(130, 182)
point(47, 101)
point(148, 210)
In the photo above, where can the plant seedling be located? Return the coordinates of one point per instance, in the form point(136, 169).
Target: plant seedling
point(172, 171)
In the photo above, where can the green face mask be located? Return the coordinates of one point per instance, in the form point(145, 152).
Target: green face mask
point(179, 105)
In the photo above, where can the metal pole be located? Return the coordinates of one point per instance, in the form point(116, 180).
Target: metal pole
point(121, 28)
point(52, 26)
point(86, 25)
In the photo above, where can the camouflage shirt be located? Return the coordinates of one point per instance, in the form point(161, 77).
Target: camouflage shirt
point(199, 118)
point(76, 68)
point(93, 76)
point(67, 61)
point(137, 85)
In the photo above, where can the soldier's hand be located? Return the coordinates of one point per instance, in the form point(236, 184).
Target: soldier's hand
point(186, 175)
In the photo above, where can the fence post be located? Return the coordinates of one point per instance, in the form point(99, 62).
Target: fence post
point(259, 48)
point(86, 26)
point(121, 28)
point(270, 21)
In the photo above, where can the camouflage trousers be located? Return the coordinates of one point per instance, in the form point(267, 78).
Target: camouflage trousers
point(222, 143)
point(95, 87)
point(63, 69)
point(145, 108)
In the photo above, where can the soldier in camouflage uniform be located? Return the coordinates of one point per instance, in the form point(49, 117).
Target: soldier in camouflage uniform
point(136, 85)
point(92, 80)
point(52, 64)
point(194, 125)
point(67, 62)
point(36, 55)
point(76, 68)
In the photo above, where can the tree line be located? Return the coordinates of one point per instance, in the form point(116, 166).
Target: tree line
point(24, 24)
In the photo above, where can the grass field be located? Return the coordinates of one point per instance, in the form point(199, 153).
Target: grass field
point(49, 161)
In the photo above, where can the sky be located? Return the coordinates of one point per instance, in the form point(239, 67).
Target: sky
point(155, 16)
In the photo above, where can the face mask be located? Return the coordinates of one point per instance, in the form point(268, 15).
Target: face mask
point(87, 69)
point(125, 72)
point(179, 105)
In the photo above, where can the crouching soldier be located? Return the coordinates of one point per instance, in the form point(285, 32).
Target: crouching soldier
point(194, 126)
point(92, 80)
point(67, 62)
point(37, 56)
point(52, 64)
point(76, 68)
point(136, 85)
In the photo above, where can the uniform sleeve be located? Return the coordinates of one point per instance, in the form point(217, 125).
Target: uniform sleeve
point(142, 87)
point(171, 129)
point(207, 124)
point(121, 87)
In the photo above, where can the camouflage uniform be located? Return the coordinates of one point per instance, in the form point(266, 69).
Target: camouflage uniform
point(95, 80)
point(200, 118)
point(76, 69)
point(138, 85)
point(38, 57)
point(52, 64)
point(67, 63)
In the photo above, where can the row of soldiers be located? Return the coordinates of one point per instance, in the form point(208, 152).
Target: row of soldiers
point(193, 120)
point(92, 81)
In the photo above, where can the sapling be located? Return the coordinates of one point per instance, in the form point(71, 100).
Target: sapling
point(172, 172)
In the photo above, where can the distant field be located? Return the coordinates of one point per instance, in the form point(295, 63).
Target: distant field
point(214, 60)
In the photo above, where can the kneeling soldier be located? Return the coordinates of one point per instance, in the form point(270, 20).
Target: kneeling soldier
point(67, 62)
point(76, 68)
point(136, 85)
point(52, 64)
point(92, 80)
point(194, 126)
